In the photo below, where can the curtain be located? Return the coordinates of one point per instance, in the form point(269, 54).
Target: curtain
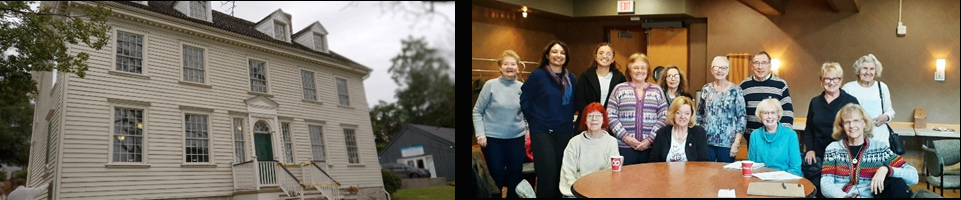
point(740, 67)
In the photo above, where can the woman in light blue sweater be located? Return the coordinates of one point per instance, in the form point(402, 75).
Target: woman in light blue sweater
point(775, 145)
point(499, 124)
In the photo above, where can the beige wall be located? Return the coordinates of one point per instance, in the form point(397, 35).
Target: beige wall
point(809, 34)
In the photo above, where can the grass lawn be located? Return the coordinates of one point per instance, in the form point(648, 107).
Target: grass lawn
point(435, 192)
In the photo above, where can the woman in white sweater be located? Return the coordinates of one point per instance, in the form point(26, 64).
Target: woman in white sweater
point(872, 94)
point(589, 151)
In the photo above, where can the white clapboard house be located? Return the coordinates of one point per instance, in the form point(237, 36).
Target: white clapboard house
point(189, 103)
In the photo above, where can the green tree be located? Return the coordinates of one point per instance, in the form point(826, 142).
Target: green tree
point(426, 91)
point(16, 119)
point(387, 120)
point(40, 39)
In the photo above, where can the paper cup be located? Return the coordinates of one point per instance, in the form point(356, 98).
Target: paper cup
point(747, 168)
point(616, 162)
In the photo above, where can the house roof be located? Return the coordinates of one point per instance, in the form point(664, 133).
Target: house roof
point(446, 134)
point(233, 24)
point(443, 133)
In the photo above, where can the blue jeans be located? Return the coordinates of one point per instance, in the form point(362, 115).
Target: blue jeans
point(719, 154)
point(505, 159)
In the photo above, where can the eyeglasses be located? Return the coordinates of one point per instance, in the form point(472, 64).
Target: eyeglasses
point(719, 67)
point(673, 76)
point(595, 116)
point(835, 79)
point(761, 63)
point(608, 54)
point(849, 122)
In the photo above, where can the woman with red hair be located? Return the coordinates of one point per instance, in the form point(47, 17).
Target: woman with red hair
point(589, 151)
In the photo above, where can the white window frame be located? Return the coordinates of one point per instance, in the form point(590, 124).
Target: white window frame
point(145, 58)
point(144, 106)
point(323, 42)
point(206, 63)
point(323, 143)
point(346, 90)
point(315, 84)
point(233, 138)
point(287, 138)
point(356, 147)
point(283, 26)
point(184, 111)
point(205, 10)
point(250, 85)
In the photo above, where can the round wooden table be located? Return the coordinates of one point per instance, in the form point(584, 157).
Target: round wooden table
point(678, 179)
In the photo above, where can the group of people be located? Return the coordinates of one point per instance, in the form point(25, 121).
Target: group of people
point(627, 115)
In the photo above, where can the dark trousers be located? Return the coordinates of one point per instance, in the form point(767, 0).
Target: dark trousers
point(632, 156)
point(505, 158)
point(894, 188)
point(719, 154)
point(548, 149)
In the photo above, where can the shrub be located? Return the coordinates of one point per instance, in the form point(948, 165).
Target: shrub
point(391, 181)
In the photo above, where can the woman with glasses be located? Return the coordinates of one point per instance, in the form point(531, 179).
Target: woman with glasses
point(596, 83)
point(858, 166)
point(763, 85)
point(673, 83)
point(775, 144)
point(636, 109)
point(820, 117)
point(872, 94)
point(589, 151)
point(721, 113)
point(499, 124)
point(681, 140)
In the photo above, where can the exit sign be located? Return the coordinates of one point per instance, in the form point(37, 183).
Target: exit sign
point(625, 7)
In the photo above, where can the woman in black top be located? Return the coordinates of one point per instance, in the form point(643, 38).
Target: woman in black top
point(820, 119)
point(681, 140)
point(596, 83)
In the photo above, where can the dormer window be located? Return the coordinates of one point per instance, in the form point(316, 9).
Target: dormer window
point(319, 42)
point(280, 31)
point(198, 9)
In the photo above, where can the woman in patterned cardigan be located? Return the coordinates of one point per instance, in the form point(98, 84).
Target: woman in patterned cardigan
point(859, 167)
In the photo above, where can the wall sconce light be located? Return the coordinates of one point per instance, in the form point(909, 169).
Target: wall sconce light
point(775, 64)
point(939, 75)
point(524, 11)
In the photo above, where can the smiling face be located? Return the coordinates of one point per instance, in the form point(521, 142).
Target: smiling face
point(867, 72)
point(853, 126)
point(638, 70)
point(604, 56)
point(673, 78)
point(557, 56)
point(595, 120)
point(719, 69)
point(509, 67)
point(762, 66)
point(831, 82)
point(683, 116)
point(769, 117)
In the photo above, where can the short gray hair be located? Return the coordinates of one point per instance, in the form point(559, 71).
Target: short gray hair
point(721, 58)
point(868, 59)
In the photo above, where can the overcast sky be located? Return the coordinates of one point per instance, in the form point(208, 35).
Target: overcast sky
point(363, 32)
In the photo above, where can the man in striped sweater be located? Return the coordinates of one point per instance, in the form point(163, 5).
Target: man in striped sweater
point(761, 86)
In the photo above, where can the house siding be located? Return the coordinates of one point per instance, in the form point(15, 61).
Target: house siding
point(86, 146)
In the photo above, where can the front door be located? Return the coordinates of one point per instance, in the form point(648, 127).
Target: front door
point(263, 147)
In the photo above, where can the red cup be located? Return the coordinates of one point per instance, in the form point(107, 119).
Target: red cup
point(747, 168)
point(616, 162)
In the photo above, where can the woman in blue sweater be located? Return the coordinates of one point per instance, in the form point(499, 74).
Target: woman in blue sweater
point(548, 107)
point(775, 145)
point(499, 124)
